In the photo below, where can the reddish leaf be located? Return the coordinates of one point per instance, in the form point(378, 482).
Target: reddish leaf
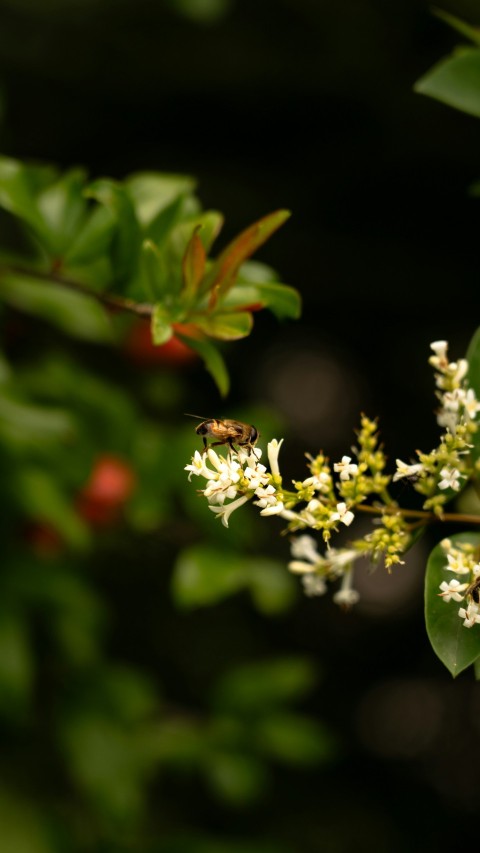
point(224, 271)
point(193, 266)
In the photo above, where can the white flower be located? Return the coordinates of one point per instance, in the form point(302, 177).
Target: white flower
point(342, 514)
point(250, 455)
point(273, 449)
point(440, 349)
point(321, 482)
point(224, 512)
point(314, 585)
point(450, 478)
point(217, 492)
point(268, 501)
point(300, 567)
point(471, 404)
point(346, 596)
point(404, 470)
point(470, 615)
point(346, 468)
point(458, 562)
point(305, 547)
point(198, 466)
point(338, 560)
point(452, 589)
point(458, 369)
point(256, 476)
point(227, 468)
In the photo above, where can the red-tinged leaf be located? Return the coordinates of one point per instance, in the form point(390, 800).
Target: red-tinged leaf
point(193, 266)
point(224, 271)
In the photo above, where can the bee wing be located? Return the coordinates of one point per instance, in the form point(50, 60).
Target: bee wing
point(233, 428)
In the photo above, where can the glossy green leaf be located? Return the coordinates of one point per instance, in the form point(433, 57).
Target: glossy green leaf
point(224, 326)
point(282, 300)
point(476, 669)
point(473, 358)
point(214, 362)
point(263, 685)
point(225, 269)
point(456, 646)
point(162, 329)
point(455, 81)
point(125, 246)
point(78, 315)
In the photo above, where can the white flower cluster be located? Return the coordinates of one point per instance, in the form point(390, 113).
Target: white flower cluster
point(458, 401)
point(317, 569)
point(463, 563)
point(237, 478)
point(458, 405)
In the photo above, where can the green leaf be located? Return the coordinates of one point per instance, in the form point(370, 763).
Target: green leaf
point(16, 664)
point(157, 282)
point(224, 326)
point(23, 828)
point(294, 739)
point(162, 329)
point(455, 81)
point(76, 314)
point(126, 240)
point(63, 209)
point(476, 669)
point(473, 358)
point(462, 27)
point(236, 778)
point(284, 301)
point(41, 498)
point(153, 192)
point(225, 269)
point(214, 362)
point(260, 686)
point(18, 186)
point(272, 588)
point(24, 419)
point(93, 239)
point(456, 646)
point(204, 576)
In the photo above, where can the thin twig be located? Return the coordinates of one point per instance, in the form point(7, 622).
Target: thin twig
point(114, 303)
point(428, 517)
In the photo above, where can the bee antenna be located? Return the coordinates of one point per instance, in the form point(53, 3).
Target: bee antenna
point(198, 417)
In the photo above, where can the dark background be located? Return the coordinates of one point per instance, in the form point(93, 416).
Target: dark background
point(305, 105)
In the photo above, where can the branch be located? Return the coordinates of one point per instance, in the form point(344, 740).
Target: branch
point(427, 517)
point(114, 303)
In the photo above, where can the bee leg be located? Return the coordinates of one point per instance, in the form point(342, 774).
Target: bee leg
point(205, 443)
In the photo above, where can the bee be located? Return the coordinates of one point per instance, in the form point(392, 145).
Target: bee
point(226, 431)
point(474, 590)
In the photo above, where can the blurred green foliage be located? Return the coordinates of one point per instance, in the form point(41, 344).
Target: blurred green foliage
point(93, 443)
